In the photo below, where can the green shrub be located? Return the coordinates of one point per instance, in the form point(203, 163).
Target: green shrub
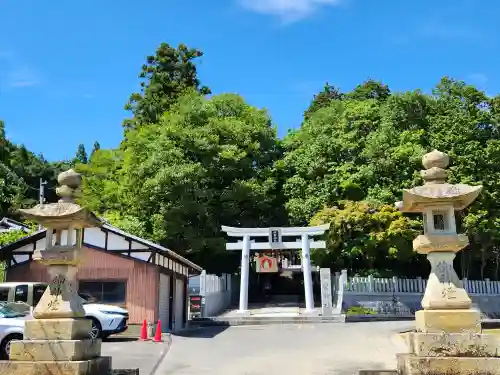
point(360, 310)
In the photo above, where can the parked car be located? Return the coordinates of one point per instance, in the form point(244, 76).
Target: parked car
point(106, 319)
point(11, 328)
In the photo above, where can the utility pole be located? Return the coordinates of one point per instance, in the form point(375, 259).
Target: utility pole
point(41, 195)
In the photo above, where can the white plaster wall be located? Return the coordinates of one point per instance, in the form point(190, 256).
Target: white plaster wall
point(216, 291)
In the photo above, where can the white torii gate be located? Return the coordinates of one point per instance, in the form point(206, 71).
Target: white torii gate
point(275, 243)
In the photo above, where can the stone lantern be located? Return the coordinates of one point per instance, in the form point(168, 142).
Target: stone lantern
point(57, 340)
point(445, 300)
point(448, 337)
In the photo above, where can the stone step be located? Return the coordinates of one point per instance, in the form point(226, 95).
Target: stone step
point(378, 372)
point(58, 350)
point(409, 364)
point(251, 320)
point(96, 366)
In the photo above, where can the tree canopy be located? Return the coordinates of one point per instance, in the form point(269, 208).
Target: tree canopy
point(189, 163)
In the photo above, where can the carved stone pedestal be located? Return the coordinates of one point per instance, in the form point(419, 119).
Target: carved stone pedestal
point(448, 321)
point(56, 346)
point(450, 354)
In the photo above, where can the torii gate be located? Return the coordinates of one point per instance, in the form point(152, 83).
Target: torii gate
point(275, 235)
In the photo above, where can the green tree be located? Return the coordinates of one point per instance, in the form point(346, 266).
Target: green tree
point(323, 99)
point(95, 148)
point(365, 236)
point(205, 164)
point(15, 235)
point(370, 89)
point(323, 158)
point(164, 78)
point(81, 155)
point(369, 147)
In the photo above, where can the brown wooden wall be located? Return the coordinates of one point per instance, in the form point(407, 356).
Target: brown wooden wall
point(142, 279)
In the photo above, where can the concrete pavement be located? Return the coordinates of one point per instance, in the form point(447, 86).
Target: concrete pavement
point(309, 349)
point(130, 353)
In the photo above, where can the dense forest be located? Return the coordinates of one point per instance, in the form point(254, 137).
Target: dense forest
point(191, 161)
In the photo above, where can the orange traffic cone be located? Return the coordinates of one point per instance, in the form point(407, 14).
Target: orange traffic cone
point(157, 337)
point(144, 331)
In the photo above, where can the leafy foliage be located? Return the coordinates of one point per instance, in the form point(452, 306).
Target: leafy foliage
point(164, 78)
point(81, 155)
point(15, 235)
point(189, 163)
point(365, 236)
point(207, 163)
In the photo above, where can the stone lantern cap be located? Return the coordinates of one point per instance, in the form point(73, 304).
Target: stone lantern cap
point(65, 212)
point(436, 190)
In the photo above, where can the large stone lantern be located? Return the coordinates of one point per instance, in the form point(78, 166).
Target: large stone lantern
point(448, 338)
point(447, 307)
point(57, 340)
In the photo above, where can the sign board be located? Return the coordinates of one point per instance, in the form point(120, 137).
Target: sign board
point(275, 237)
point(325, 277)
point(266, 264)
point(195, 304)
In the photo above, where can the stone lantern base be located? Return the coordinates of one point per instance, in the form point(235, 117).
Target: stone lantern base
point(450, 354)
point(448, 321)
point(56, 346)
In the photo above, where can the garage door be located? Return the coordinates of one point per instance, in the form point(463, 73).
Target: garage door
point(163, 302)
point(180, 301)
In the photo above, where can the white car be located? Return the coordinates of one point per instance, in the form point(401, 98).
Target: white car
point(11, 328)
point(106, 319)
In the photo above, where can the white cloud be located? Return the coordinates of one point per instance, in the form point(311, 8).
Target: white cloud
point(24, 83)
point(287, 10)
point(14, 73)
point(23, 76)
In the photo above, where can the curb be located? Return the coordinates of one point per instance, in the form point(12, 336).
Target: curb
point(168, 344)
point(377, 318)
point(248, 321)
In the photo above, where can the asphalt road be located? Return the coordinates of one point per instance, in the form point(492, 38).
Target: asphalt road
point(128, 353)
point(339, 349)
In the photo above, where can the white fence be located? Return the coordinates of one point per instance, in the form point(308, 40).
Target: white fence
point(216, 292)
point(375, 285)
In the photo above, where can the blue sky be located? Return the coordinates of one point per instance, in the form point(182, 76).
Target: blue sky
point(68, 67)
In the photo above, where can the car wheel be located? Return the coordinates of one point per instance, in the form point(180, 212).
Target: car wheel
point(5, 347)
point(96, 330)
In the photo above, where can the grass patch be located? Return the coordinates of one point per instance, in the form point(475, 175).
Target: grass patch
point(360, 310)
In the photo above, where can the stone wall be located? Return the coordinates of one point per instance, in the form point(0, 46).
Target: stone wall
point(407, 303)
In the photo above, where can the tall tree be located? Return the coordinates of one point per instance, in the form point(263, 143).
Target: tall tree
point(206, 163)
point(81, 155)
point(164, 78)
point(323, 99)
point(322, 158)
point(95, 148)
point(370, 89)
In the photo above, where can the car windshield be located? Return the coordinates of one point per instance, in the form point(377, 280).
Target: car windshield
point(87, 298)
point(7, 312)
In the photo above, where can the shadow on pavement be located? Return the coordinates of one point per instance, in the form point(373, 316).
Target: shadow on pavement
point(202, 332)
point(120, 339)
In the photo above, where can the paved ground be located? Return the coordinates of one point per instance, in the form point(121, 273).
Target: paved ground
point(309, 349)
point(129, 353)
